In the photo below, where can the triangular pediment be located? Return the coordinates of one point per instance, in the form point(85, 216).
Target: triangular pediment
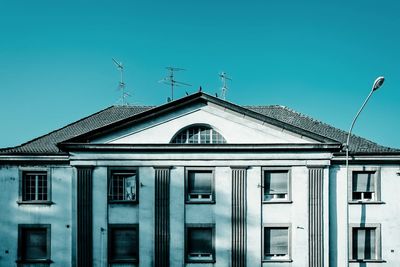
point(236, 124)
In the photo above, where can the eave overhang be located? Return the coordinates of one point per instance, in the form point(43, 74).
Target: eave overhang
point(188, 148)
point(35, 158)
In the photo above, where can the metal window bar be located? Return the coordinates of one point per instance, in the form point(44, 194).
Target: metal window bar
point(35, 187)
point(118, 187)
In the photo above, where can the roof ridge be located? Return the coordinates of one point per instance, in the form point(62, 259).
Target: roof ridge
point(59, 129)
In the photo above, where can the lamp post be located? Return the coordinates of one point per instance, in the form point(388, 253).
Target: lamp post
point(377, 84)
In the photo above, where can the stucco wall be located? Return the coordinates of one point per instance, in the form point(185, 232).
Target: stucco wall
point(59, 214)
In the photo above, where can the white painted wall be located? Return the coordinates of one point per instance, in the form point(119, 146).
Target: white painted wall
point(387, 214)
point(59, 214)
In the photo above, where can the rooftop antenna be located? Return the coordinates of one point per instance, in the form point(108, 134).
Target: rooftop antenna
point(122, 84)
point(224, 88)
point(170, 80)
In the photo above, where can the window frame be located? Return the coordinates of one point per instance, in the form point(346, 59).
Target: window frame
point(22, 172)
point(186, 251)
point(20, 250)
point(110, 172)
point(378, 241)
point(289, 185)
point(113, 226)
point(186, 130)
point(377, 180)
point(212, 194)
point(277, 225)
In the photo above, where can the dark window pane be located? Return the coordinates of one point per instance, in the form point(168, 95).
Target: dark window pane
point(200, 240)
point(34, 186)
point(199, 182)
point(364, 240)
point(198, 135)
point(123, 244)
point(123, 186)
point(35, 244)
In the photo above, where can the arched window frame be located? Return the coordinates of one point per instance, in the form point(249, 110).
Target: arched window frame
point(198, 134)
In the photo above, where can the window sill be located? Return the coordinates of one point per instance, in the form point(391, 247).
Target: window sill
point(200, 261)
point(353, 202)
point(277, 202)
point(124, 261)
point(34, 261)
point(277, 260)
point(377, 261)
point(200, 202)
point(47, 203)
point(130, 202)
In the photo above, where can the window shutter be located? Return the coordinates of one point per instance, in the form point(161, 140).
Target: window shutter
point(200, 182)
point(276, 182)
point(363, 182)
point(123, 244)
point(36, 244)
point(200, 240)
point(276, 241)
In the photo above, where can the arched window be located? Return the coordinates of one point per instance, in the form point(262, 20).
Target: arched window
point(198, 135)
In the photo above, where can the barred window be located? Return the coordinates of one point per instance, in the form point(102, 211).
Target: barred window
point(123, 186)
point(198, 135)
point(35, 186)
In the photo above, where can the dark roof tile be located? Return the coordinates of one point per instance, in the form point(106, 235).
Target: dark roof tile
point(47, 144)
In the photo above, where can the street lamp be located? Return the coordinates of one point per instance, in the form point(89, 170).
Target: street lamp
point(377, 84)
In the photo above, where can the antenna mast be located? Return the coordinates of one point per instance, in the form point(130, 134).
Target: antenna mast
point(122, 84)
point(170, 80)
point(224, 88)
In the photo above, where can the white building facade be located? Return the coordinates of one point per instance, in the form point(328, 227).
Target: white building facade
point(199, 182)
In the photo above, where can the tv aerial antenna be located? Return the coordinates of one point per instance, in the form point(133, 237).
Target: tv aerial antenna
point(224, 79)
point(170, 80)
point(121, 84)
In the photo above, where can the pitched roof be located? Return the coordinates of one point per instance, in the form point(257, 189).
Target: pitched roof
point(47, 144)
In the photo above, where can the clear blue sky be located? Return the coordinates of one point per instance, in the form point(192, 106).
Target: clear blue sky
point(317, 57)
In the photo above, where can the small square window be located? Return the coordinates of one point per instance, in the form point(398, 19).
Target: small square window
point(200, 186)
point(364, 186)
point(200, 243)
point(365, 242)
point(34, 187)
point(276, 243)
point(276, 185)
point(123, 186)
point(34, 243)
point(123, 243)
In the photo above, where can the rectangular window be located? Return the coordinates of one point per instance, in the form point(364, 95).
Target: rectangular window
point(34, 187)
point(123, 185)
point(34, 243)
point(276, 185)
point(200, 185)
point(276, 243)
point(200, 243)
point(364, 186)
point(123, 243)
point(365, 242)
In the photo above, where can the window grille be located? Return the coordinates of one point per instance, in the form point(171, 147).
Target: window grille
point(198, 135)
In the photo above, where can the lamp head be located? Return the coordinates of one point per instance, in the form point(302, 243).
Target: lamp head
point(378, 83)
